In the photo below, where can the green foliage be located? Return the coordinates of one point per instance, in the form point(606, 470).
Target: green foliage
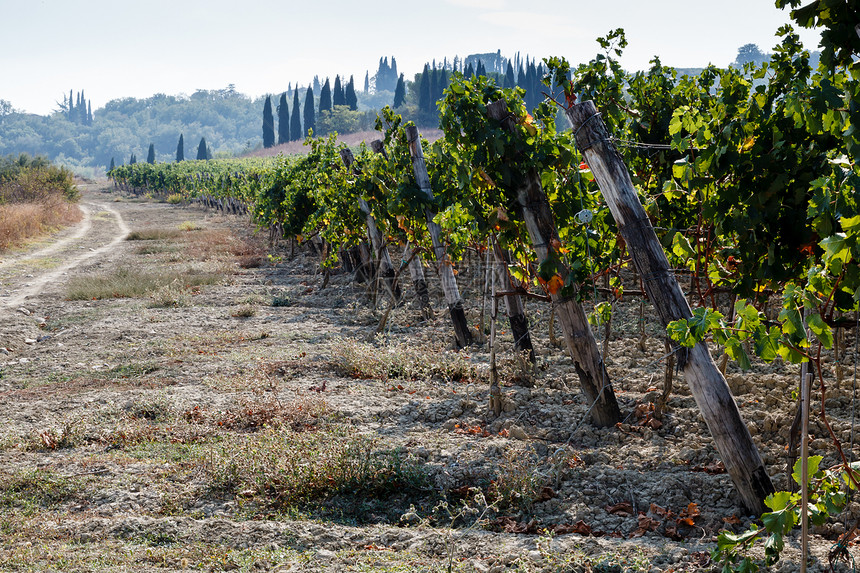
point(483, 165)
point(26, 179)
point(827, 497)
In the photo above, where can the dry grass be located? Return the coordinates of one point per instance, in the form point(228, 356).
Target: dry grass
point(152, 234)
point(22, 221)
point(129, 283)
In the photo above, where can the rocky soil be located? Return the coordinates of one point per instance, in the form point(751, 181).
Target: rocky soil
point(121, 415)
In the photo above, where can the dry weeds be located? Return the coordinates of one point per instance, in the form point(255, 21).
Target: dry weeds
point(22, 221)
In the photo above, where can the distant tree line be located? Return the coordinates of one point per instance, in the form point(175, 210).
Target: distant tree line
point(289, 127)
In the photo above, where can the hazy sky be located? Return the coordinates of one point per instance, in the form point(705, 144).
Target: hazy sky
point(117, 49)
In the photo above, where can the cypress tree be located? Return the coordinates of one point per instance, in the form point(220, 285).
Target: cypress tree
point(295, 119)
point(349, 96)
point(325, 97)
point(424, 89)
point(82, 110)
point(89, 112)
point(112, 165)
point(310, 120)
point(510, 81)
point(316, 84)
point(337, 97)
point(434, 88)
point(132, 160)
point(283, 120)
point(400, 92)
point(268, 124)
point(531, 76)
point(443, 83)
point(71, 106)
point(203, 150)
point(180, 149)
point(150, 157)
point(367, 82)
point(470, 72)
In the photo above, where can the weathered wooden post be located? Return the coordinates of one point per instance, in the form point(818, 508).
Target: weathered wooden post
point(412, 258)
point(386, 269)
point(593, 377)
point(513, 303)
point(707, 384)
point(446, 270)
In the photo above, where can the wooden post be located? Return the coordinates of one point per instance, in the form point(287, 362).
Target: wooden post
point(446, 270)
point(593, 377)
point(707, 384)
point(513, 303)
point(412, 258)
point(386, 269)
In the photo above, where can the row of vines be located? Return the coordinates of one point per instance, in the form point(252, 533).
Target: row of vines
point(748, 179)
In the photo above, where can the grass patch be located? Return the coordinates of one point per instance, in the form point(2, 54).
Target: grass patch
point(26, 492)
point(282, 469)
point(189, 226)
point(156, 249)
point(282, 300)
point(129, 283)
point(398, 360)
point(152, 234)
point(244, 311)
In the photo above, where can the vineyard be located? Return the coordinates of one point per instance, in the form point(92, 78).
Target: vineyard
point(700, 231)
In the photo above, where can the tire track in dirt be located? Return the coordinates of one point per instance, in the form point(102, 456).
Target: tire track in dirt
point(38, 283)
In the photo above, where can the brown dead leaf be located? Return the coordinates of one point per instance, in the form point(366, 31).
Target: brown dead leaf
point(624, 509)
point(688, 516)
point(579, 527)
point(646, 524)
point(733, 520)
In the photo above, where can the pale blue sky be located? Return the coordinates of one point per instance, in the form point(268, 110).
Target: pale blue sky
point(117, 49)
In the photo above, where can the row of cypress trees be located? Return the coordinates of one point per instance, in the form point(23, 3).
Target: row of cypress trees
point(203, 152)
point(290, 124)
point(78, 109)
point(429, 84)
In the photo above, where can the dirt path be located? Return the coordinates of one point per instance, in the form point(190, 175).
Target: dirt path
point(127, 424)
point(25, 275)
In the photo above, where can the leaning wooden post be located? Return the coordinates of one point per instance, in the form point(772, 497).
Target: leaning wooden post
point(386, 269)
point(707, 384)
point(513, 303)
point(446, 270)
point(412, 259)
point(593, 377)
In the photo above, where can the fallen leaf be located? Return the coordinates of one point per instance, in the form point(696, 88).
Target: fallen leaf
point(624, 509)
point(579, 527)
